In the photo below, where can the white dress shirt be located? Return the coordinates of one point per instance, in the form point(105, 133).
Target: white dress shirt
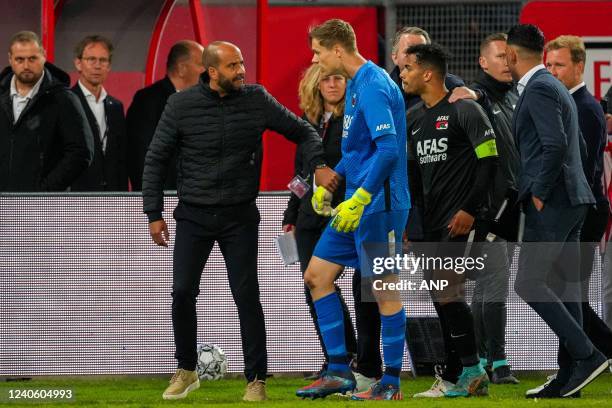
point(97, 107)
point(522, 83)
point(20, 102)
point(577, 87)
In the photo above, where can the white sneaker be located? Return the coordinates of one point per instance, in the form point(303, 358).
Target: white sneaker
point(437, 390)
point(363, 383)
point(536, 390)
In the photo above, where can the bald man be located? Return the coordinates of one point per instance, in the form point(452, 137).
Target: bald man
point(216, 130)
point(184, 67)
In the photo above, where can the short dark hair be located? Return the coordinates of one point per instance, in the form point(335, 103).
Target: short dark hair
point(25, 37)
point(527, 36)
point(431, 56)
point(179, 52)
point(491, 38)
point(405, 31)
point(93, 39)
point(332, 32)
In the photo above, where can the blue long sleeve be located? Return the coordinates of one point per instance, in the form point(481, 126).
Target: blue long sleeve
point(386, 155)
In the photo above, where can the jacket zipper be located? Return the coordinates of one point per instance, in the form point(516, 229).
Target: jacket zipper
point(10, 170)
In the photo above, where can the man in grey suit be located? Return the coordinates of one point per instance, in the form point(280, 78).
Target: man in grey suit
point(555, 197)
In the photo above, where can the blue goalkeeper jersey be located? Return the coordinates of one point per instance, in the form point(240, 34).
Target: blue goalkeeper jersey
point(374, 107)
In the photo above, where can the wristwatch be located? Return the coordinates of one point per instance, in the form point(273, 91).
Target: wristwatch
point(320, 166)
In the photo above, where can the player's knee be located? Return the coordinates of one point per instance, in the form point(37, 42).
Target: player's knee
point(311, 279)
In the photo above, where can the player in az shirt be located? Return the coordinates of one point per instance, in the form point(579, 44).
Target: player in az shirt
point(375, 211)
point(453, 159)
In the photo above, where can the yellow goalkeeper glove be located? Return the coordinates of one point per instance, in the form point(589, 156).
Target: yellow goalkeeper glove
point(349, 212)
point(321, 201)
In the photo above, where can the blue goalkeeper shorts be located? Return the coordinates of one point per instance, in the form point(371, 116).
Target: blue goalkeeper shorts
point(378, 234)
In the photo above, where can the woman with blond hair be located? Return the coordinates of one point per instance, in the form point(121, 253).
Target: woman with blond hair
point(322, 101)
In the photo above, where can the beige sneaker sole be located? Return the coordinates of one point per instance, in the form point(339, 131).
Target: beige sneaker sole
point(190, 387)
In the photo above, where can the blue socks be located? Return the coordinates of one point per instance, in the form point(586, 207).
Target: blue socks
point(393, 338)
point(331, 325)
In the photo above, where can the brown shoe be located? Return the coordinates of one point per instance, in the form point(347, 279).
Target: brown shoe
point(255, 391)
point(181, 384)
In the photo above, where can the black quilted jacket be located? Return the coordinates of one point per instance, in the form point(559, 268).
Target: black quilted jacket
point(219, 145)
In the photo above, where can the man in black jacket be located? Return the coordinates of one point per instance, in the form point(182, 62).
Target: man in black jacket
point(108, 170)
point(183, 67)
point(565, 59)
point(216, 128)
point(45, 141)
point(495, 92)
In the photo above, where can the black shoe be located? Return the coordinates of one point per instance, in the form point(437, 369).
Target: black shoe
point(502, 375)
point(585, 371)
point(550, 389)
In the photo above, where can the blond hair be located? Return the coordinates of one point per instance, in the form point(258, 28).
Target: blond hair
point(311, 100)
point(571, 42)
point(332, 32)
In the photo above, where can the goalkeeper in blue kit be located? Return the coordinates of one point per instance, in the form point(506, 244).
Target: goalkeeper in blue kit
point(375, 210)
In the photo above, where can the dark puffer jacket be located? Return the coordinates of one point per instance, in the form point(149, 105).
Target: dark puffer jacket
point(219, 145)
point(51, 143)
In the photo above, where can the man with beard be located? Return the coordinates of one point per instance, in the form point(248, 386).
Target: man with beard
point(45, 140)
point(453, 160)
point(216, 130)
point(555, 197)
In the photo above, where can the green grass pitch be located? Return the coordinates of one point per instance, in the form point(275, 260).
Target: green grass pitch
point(137, 391)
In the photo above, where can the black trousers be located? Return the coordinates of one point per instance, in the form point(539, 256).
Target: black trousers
point(235, 229)
point(548, 277)
point(306, 240)
point(596, 329)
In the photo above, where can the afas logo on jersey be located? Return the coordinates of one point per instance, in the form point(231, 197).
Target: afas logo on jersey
point(383, 126)
point(442, 122)
point(432, 146)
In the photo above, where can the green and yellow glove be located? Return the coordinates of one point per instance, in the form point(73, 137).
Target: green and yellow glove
point(349, 212)
point(321, 201)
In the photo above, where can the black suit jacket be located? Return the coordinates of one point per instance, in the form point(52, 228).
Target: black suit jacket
point(593, 128)
point(545, 127)
point(142, 117)
point(108, 170)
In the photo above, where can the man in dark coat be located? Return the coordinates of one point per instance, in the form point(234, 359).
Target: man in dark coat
point(184, 66)
point(216, 130)
point(108, 170)
point(45, 141)
point(555, 197)
point(565, 59)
